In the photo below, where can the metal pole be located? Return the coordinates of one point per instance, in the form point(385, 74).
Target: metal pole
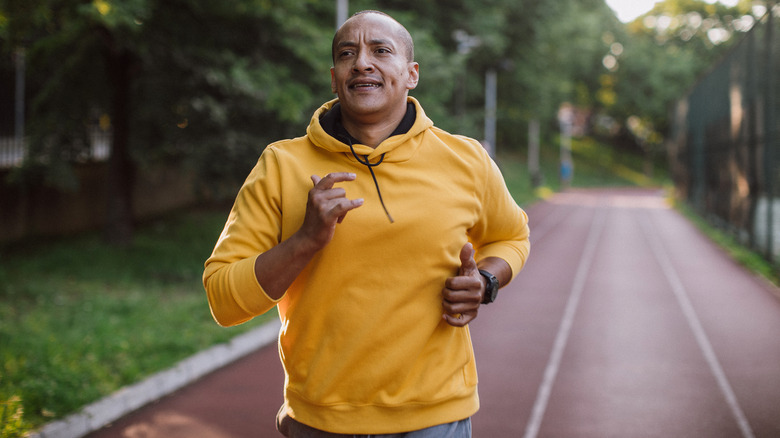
point(769, 126)
point(19, 97)
point(533, 153)
point(490, 111)
point(342, 9)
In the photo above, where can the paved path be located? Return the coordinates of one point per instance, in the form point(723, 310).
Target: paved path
point(626, 322)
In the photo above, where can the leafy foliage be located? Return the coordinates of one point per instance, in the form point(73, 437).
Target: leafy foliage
point(661, 55)
point(210, 83)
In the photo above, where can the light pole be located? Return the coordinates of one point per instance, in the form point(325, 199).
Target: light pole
point(19, 97)
point(342, 8)
point(769, 140)
point(466, 43)
point(490, 111)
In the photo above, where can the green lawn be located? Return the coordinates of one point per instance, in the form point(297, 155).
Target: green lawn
point(79, 319)
point(595, 165)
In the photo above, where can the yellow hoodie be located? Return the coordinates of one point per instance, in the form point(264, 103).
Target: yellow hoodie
point(363, 343)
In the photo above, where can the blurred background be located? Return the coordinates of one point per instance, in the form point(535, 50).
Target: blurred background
point(127, 127)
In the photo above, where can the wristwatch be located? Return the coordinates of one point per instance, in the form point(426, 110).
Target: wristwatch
point(491, 288)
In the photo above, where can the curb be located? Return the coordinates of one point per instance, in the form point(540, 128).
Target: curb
point(112, 407)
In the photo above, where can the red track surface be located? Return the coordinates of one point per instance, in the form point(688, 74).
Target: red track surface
point(626, 322)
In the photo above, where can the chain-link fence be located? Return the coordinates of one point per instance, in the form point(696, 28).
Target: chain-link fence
point(13, 101)
point(725, 144)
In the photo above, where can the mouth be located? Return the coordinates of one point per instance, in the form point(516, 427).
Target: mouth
point(364, 84)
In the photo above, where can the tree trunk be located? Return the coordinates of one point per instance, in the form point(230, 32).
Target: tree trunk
point(119, 209)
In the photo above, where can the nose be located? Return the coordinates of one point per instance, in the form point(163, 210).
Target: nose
point(362, 61)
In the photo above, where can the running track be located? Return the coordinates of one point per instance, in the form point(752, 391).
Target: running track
point(626, 322)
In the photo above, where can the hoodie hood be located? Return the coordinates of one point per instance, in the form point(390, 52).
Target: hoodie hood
point(395, 148)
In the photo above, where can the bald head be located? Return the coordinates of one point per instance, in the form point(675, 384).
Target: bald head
point(400, 31)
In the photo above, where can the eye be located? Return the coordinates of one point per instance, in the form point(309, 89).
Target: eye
point(383, 50)
point(345, 52)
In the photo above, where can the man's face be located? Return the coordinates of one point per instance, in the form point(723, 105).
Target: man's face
point(372, 73)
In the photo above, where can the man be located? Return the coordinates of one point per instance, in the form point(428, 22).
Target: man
point(373, 268)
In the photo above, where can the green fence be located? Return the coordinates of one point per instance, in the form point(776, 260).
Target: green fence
point(724, 147)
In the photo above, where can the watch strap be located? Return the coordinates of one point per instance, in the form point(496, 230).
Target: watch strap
point(491, 287)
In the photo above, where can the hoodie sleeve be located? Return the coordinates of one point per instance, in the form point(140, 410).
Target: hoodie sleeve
point(502, 230)
point(253, 226)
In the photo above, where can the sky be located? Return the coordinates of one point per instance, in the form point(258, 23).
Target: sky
point(628, 10)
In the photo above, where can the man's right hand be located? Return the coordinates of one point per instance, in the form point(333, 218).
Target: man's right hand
point(326, 207)
point(278, 267)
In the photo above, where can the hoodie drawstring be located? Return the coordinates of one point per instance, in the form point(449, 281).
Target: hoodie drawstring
point(370, 166)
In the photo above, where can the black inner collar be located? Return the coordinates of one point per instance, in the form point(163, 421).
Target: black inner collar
point(331, 123)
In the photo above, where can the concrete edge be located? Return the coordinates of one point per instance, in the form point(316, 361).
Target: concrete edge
point(128, 399)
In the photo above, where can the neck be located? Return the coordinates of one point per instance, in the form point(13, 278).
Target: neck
point(373, 132)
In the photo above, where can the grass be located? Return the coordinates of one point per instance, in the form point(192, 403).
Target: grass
point(740, 253)
point(595, 165)
point(80, 319)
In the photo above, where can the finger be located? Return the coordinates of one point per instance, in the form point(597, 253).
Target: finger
point(467, 262)
point(332, 178)
point(463, 282)
point(324, 195)
point(469, 297)
point(460, 320)
point(455, 309)
point(323, 189)
point(344, 208)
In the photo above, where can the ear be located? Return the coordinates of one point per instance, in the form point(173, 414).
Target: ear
point(414, 76)
point(332, 79)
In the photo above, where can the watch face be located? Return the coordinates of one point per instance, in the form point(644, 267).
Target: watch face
point(493, 293)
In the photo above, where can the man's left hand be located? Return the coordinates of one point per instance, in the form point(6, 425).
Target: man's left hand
point(462, 295)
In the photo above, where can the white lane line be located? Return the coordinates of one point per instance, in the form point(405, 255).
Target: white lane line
point(551, 371)
point(681, 294)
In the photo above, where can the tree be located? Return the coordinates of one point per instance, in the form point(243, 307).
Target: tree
point(559, 59)
point(178, 79)
point(189, 81)
point(664, 51)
